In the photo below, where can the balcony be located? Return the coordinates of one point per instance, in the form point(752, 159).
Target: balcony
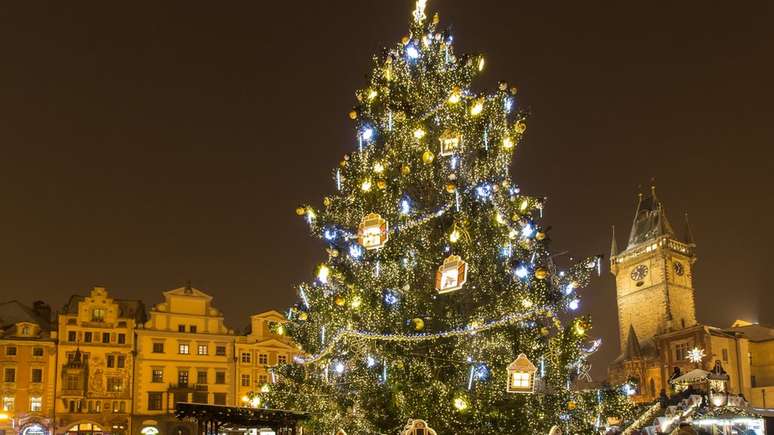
point(188, 387)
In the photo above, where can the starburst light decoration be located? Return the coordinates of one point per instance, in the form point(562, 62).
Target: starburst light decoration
point(696, 355)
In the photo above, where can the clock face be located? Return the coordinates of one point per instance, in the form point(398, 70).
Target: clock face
point(639, 272)
point(679, 269)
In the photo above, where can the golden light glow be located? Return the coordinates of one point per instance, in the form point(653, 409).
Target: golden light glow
point(356, 302)
point(265, 388)
point(366, 186)
point(378, 167)
point(454, 98)
point(454, 236)
point(507, 143)
point(4, 416)
point(419, 133)
point(372, 94)
point(526, 303)
point(245, 399)
point(481, 63)
point(460, 404)
point(477, 108)
point(499, 219)
point(524, 205)
point(323, 273)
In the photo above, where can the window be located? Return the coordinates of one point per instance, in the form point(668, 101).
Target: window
point(201, 377)
point(183, 349)
point(182, 378)
point(37, 351)
point(158, 347)
point(121, 361)
point(201, 349)
point(122, 406)
point(192, 328)
point(199, 397)
point(114, 384)
point(220, 377)
point(154, 401)
point(10, 351)
point(106, 337)
point(73, 382)
point(263, 359)
point(282, 359)
point(245, 380)
point(180, 328)
point(157, 376)
point(219, 398)
point(245, 357)
point(111, 361)
point(115, 406)
point(220, 350)
point(37, 376)
point(98, 315)
point(121, 338)
point(25, 331)
point(520, 380)
point(87, 336)
point(725, 355)
point(8, 402)
point(71, 336)
point(263, 380)
point(10, 375)
point(681, 351)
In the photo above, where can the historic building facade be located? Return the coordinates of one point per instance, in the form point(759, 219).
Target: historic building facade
point(185, 353)
point(95, 362)
point(259, 350)
point(657, 315)
point(27, 368)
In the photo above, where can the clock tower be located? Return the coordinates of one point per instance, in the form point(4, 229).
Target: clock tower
point(653, 281)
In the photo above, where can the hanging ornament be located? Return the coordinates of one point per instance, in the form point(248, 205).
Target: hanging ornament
point(428, 157)
point(340, 301)
point(521, 127)
point(327, 201)
point(405, 169)
point(451, 275)
point(418, 324)
point(303, 316)
point(451, 187)
point(353, 115)
point(417, 427)
point(300, 211)
point(540, 235)
point(571, 405)
point(372, 233)
point(451, 142)
point(521, 375)
point(381, 184)
point(541, 273)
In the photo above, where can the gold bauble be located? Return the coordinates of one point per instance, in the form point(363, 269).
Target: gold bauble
point(340, 301)
point(521, 127)
point(405, 40)
point(503, 86)
point(343, 163)
point(428, 157)
point(544, 331)
point(514, 90)
point(418, 324)
point(300, 211)
point(327, 201)
point(353, 115)
point(333, 252)
point(436, 18)
point(405, 169)
point(303, 316)
point(541, 273)
point(571, 405)
point(381, 184)
point(451, 187)
point(540, 235)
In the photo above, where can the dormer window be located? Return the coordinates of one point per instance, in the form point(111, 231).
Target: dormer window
point(25, 331)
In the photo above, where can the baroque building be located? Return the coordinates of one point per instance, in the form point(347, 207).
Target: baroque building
point(657, 321)
point(27, 368)
point(185, 353)
point(95, 361)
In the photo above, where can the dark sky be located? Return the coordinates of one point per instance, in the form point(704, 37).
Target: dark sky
point(148, 143)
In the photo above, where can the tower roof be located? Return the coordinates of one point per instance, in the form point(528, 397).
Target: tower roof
point(632, 345)
point(650, 220)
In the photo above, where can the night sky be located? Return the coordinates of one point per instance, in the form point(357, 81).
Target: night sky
point(145, 144)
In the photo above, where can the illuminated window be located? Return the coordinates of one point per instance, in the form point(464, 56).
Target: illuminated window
point(183, 349)
point(36, 404)
point(98, 315)
point(182, 377)
point(8, 402)
point(245, 380)
point(157, 376)
point(115, 384)
point(201, 349)
point(520, 380)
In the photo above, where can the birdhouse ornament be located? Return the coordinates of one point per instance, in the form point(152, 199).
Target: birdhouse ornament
point(521, 375)
point(451, 275)
point(451, 142)
point(373, 232)
point(417, 427)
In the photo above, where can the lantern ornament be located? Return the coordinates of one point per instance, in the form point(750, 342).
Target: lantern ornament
point(417, 427)
point(451, 275)
point(521, 375)
point(373, 232)
point(451, 142)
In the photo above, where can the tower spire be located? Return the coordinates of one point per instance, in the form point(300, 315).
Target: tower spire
point(650, 220)
point(688, 234)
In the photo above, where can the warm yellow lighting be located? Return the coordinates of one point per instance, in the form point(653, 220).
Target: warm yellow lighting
point(323, 273)
point(524, 205)
point(356, 302)
point(281, 330)
point(419, 133)
point(507, 143)
point(454, 98)
point(460, 404)
point(513, 234)
point(256, 402)
point(4, 417)
point(481, 63)
point(579, 329)
point(245, 399)
point(454, 236)
point(378, 167)
point(477, 108)
point(265, 388)
point(526, 303)
point(499, 219)
point(372, 94)
point(366, 186)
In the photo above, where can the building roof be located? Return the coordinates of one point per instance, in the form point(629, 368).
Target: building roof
point(127, 308)
point(14, 312)
point(754, 332)
point(650, 220)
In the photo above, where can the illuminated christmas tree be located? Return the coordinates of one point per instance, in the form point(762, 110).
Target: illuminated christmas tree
point(439, 300)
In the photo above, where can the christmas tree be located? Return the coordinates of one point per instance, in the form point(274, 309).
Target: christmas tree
point(439, 299)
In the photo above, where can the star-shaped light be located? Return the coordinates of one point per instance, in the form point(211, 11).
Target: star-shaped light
point(696, 355)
